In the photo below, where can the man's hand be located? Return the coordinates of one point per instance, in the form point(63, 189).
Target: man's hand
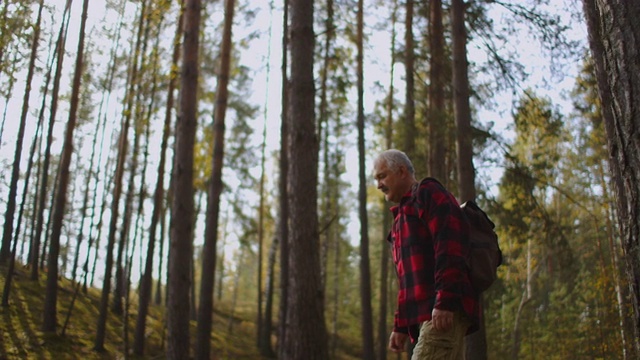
point(442, 320)
point(397, 341)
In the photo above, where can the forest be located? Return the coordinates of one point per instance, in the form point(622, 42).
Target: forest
point(189, 179)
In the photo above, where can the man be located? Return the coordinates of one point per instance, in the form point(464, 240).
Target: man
point(437, 305)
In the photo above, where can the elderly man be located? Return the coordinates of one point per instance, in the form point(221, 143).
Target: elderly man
point(437, 305)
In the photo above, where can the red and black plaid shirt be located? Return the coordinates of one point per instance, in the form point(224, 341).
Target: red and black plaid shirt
point(430, 243)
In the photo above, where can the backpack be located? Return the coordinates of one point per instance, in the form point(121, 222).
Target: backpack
point(484, 255)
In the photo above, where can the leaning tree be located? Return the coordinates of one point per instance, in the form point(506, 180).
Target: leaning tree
point(614, 38)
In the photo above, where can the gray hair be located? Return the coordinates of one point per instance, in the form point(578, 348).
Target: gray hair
point(394, 159)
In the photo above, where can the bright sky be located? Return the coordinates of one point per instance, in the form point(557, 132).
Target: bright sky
point(267, 89)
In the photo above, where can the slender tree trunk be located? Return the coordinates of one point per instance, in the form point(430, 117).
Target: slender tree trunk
point(119, 281)
point(99, 226)
point(383, 326)
point(283, 199)
point(51, 294)
point(264, 332)
point(25, 105)
point(117, 191)
point(135, 104)
point(85, 201)
point(158, 200)
point(365, 272)
point(323, 135)
point(236, 287)
point(437, 123)
point(612, 23)
point(102, 114)
point(193, 308)
point(476, 343)
point(614, 250)
point(182, 182)
point(267, 326)
point(203, 347)
point(7, 234)
point(42, 196)
point(333, 346)
point(409, 104)
point(461, 108)
point(163, 226)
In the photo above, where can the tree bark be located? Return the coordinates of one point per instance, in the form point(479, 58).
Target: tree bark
point(42, 194)
point(305, 313)
point(203, 346)
point(383, 325)
point(8, 225)
point(409, 103)
point(614, 36)
point(123, 145)
point(7, 234)
point(437, 123)
point(461, 108)
point(283, 199)
point(183, 202)
point(158, 202)
point(365, 271)
point(51, 294)
point(264, 323)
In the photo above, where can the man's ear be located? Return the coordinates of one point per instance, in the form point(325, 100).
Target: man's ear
point(402, 171)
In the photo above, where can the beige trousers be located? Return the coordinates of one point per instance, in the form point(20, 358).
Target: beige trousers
point(442, 345)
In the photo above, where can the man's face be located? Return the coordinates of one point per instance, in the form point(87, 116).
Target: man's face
point(391, 183)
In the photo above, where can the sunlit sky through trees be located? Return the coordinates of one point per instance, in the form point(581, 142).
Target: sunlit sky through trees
point(266, 86)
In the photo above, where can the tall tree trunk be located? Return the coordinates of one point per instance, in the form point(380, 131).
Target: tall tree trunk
point(614, 250)
point(99, 225)
point(305, 314)
point(236, 287)
point(157, 299)
point(383, 326)
point(283, 198)
point(365, 271)
point(102, 114)
point(158, 200)
point(123, 243)
point(263, 335)
point(135, 104)
point(323, 135)
point(123, 146)
point(409, 104)
point(266, 349)
point(42, 196)
point(51, 294)
point(437, 123)
point(182, 182)
point(203, 346)
point(476, 343)
point(35, 154)
point(16, 162)
point(7, 234)
point(461, 108)
point(613, 38)
point(333, 346)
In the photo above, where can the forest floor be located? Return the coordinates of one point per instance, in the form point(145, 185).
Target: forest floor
point(233, 335)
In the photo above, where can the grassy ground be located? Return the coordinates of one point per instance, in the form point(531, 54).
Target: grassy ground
point(21, 338)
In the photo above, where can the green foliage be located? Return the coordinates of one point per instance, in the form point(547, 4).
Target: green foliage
point(557, 294)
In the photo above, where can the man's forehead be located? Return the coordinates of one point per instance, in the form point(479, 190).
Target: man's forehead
point(380, 168)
